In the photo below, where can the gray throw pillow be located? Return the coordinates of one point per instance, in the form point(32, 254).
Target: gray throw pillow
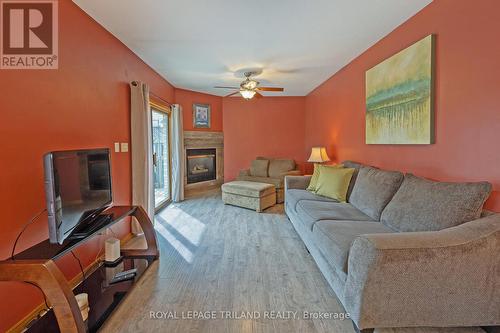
point(425, 205)
point(373, 190)
point(258, 168)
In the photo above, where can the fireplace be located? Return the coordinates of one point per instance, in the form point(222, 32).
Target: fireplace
point(200, 165)
point(205, 149)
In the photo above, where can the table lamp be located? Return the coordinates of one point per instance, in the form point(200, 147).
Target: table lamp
point(318, 155)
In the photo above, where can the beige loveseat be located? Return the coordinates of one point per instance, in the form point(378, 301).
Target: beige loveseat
point(270, 171)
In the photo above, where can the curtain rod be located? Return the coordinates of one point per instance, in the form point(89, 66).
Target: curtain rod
point(161, 99)
point(134, 83)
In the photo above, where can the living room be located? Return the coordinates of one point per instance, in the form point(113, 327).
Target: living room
point(287, 166)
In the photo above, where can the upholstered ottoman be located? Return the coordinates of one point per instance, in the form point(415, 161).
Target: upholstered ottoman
point(252, 195)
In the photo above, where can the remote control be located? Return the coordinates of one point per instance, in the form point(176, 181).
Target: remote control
point(130, 271)
point(122, 278)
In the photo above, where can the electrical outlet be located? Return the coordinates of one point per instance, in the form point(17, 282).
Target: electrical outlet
point(117, 147)
point(124, 147)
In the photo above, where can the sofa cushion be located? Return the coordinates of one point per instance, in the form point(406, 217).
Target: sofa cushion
point(294, 196)
point(356, 166)
point(259, 168)
point(334, 238)
point(310, 212)
point(373, 190)
point(277, 182)
point(279, 167)
point(425, 205)
point(334, 182)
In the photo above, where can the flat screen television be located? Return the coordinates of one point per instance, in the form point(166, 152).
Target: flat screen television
point(77, 188)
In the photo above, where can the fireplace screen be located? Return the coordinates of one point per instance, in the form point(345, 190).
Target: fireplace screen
point(200, 165)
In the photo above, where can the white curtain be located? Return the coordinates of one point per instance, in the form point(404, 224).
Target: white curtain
point(177, 154)
point(142, 150)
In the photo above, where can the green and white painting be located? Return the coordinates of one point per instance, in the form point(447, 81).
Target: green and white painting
point(399, 97)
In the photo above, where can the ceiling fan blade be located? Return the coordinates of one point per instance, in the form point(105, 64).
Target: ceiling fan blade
point(235, 93)
point(269, 89)
point(222, 87)
point(258, 95)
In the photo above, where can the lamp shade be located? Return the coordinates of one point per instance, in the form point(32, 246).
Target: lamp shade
point(318, 155)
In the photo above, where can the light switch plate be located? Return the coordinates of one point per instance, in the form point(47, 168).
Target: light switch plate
point(117, 147)
point(124, 146)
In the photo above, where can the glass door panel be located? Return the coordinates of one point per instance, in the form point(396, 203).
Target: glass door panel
point(161, 158)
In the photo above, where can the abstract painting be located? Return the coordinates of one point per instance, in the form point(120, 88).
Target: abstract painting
point(399, 97)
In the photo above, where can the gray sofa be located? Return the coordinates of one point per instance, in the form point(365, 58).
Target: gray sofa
point(404, 251)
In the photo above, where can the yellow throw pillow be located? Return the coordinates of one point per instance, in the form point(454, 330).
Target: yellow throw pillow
point(313, 184)
point(334, 182)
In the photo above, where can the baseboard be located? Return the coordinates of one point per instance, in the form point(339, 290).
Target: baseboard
point(39, 311)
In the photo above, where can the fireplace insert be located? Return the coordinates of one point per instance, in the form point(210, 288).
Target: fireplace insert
point(200, 165)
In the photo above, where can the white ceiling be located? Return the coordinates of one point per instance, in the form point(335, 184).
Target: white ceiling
point(197, 44)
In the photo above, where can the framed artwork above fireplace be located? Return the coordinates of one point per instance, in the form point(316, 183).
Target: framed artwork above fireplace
point(201, 115)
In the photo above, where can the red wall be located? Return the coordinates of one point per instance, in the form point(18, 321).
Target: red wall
point(187, 98)
point(83, 104)
point(271, 126)
point(467, 98)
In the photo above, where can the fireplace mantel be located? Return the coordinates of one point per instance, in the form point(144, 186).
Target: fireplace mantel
point(204, 140)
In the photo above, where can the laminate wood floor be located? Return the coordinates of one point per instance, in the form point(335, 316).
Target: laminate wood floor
point(232, 261)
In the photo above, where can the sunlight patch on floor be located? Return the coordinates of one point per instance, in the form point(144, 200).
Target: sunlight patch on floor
point(176, 244)
point(188, 226)
point(181, 230)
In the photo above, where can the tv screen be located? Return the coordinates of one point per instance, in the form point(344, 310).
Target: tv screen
point(78, 188)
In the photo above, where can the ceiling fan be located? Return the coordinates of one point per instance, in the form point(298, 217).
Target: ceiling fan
point(249, 88)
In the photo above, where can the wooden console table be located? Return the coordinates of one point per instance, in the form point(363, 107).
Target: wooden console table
point(36, 265)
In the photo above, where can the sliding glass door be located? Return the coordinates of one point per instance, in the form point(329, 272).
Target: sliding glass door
point(161, 157)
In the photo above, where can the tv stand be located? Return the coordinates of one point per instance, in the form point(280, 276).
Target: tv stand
point(36, 265)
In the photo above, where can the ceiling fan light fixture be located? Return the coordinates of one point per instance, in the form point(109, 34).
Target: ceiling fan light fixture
point(250, 88)
point(247, 94)
point(251, 84)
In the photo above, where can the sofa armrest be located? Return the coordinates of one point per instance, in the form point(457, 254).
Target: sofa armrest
point(289, 173)
point(442, 278)
point(245, 172)
point(297, 182)
point(293, 173)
